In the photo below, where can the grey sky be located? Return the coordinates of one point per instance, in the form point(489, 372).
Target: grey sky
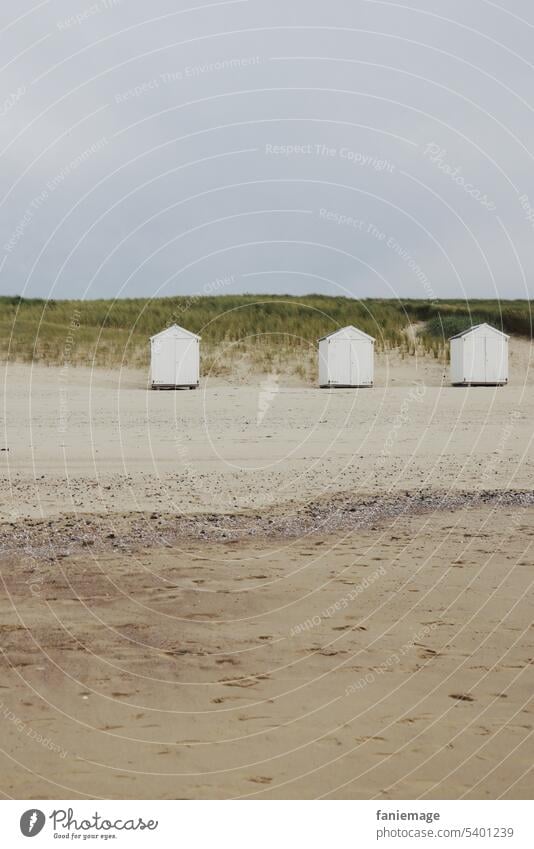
point(361, 148)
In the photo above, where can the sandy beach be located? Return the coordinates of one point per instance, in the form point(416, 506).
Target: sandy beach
point(266, 591)
point(90, 441)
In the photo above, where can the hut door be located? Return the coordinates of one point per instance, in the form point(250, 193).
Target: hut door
point(185, 362)
point(475, 359)
point(340, 362)
point(163, 353)
point(496, 360)
point(359, 367)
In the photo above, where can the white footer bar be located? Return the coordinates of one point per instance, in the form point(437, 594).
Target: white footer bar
point(268, 824)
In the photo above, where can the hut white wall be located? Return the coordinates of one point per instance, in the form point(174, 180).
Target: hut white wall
point(474, 357)
point(457, 361)
point(479, 357)
point(323, 362)
point(162, 360)
point(345, 361)
point(362, 363)
point(496, 359)
point(175, 360)
point(187, 362)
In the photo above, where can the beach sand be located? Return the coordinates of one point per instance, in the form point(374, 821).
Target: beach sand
point(87, 441)
point(266, 592)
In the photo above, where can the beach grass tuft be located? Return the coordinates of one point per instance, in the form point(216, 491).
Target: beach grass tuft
point(265, 333)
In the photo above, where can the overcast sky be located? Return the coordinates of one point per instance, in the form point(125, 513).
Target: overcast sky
point(373, 149)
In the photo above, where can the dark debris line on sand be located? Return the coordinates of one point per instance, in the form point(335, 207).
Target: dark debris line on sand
point(72, 534)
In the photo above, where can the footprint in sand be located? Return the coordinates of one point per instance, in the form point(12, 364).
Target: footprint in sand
point(426, 653)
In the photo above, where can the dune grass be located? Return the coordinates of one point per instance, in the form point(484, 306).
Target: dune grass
point(261, 332)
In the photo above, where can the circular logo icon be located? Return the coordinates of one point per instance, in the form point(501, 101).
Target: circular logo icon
point(32, 822)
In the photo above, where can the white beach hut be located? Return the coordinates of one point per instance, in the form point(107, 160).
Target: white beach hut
point(346, 358)
point(479, 357)
point(174, 359)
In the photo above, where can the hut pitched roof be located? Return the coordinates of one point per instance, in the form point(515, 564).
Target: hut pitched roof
point(476, 328)
point(176, 330)
point(349, 332)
